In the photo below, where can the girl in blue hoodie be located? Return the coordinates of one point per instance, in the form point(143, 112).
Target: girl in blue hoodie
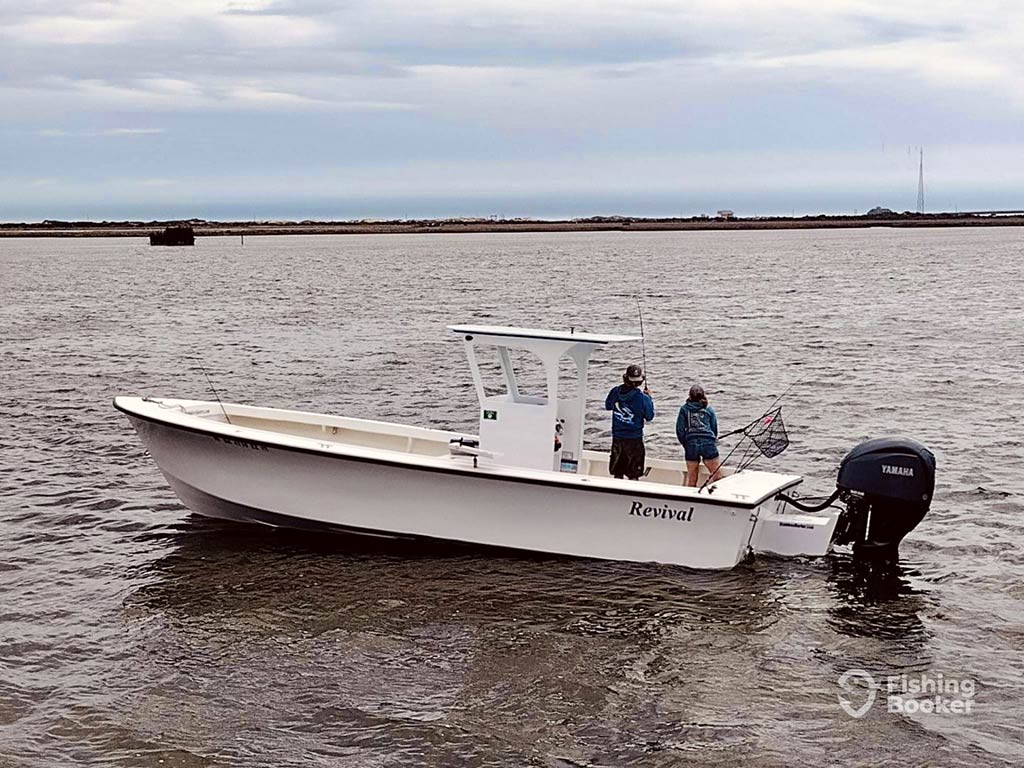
point(697, 430)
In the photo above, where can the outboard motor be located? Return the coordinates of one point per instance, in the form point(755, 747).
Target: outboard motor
point(887, 486)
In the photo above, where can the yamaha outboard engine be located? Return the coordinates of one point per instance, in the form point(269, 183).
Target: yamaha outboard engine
point(887, 486)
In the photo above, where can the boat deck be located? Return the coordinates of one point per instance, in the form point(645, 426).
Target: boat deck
point(377, 439)
point(426, 442)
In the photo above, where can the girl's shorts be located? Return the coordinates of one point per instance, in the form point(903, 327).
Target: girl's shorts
point(701, 449)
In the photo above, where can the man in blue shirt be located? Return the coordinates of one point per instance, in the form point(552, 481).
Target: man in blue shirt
point(630, 408)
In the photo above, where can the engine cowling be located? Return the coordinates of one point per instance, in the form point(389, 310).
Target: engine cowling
point(887, 486)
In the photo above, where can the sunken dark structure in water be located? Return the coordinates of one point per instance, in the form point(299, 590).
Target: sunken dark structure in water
point(174, 236)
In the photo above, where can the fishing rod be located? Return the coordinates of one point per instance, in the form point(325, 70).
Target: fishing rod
point(766, 412)
point(784, 393)
point(643, 345)
point(214, 390)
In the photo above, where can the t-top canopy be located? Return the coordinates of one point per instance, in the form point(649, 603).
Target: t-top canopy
point(535, 430)
point(536, 333)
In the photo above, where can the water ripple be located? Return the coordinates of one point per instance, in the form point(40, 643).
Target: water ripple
point(134, 633)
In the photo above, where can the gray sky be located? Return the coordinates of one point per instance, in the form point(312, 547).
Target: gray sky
point(351, 108)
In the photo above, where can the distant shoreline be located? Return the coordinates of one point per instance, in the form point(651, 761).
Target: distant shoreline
point(205, 228)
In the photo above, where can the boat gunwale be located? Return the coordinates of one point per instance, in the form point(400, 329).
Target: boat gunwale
point(254, 435)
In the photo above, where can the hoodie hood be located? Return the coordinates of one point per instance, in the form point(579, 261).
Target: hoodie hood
point(696, 422)
point(630, 395)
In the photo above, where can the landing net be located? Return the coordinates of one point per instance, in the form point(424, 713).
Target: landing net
point(769, 434)
point(764, 436)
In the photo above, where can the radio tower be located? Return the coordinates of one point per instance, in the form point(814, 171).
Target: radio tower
point(920, 184)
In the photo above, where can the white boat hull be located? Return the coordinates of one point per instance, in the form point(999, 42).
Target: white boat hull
point(241, 473)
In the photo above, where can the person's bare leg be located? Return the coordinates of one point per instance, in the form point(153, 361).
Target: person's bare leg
point(714, 465)
point(692, 467)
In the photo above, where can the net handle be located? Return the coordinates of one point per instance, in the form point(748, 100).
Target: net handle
point(744, 461)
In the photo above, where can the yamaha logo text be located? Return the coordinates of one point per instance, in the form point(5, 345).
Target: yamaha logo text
point(889, 469)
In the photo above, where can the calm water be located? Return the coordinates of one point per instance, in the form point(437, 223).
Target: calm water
point(134, 633)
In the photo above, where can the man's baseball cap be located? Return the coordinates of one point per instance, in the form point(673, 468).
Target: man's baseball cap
point(634, 374)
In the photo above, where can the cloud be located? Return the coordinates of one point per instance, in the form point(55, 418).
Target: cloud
point(61, 133)
point(275, 31)
point(199, 41)
point(283, 8)
point(534, 84)
point(69, 31)
point(131, 131)
point(943, 63)
point(97, 96)
point(715, 173)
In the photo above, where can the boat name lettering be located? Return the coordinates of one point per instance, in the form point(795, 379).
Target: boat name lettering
point(796, 525)
point(889, 469)
point(665, 512)
point(241, 443)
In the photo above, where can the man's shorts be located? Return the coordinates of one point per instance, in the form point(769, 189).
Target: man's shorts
point(628, 457)
point(700, 449)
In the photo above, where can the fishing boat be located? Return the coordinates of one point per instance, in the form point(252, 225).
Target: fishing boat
point(524, 481)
